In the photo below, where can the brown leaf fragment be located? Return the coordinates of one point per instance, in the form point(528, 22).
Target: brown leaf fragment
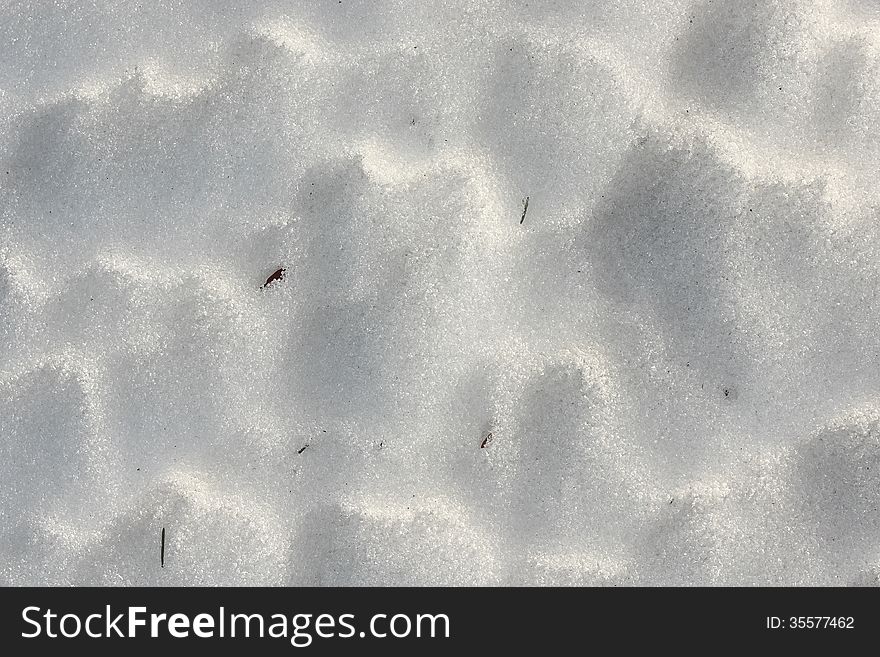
point(277, 276)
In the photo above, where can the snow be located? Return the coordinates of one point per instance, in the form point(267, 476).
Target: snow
point(676, 350)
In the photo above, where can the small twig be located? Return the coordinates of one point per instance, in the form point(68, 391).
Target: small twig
point(302, 449)
point(277, 276)
point(525, 209)
point(162, 554)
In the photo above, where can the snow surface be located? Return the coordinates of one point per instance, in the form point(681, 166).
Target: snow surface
point(676, 352)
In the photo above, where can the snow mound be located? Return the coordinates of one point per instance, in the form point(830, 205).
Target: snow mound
point(663, 370)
